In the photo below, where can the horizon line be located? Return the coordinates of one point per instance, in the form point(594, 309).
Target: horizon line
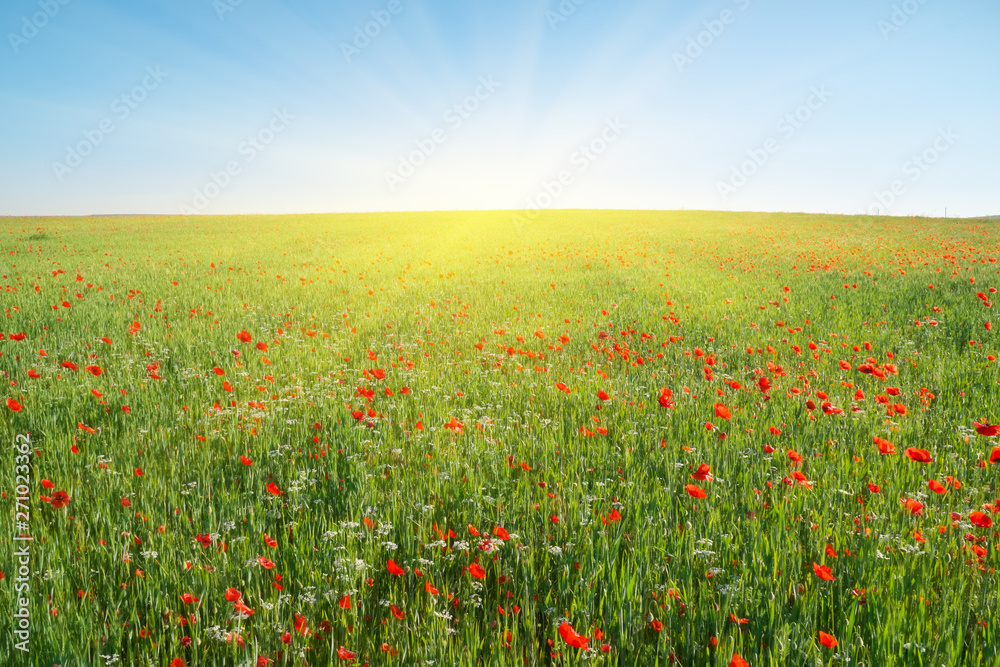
point(500, 210)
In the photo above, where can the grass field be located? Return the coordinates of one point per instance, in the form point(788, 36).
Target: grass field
point(625, 438)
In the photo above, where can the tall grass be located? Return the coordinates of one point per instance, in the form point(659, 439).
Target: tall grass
point(335, 298)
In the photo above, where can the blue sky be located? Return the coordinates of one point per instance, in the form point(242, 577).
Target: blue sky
point(259, 106)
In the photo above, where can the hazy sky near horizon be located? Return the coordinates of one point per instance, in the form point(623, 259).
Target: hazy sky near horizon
point(260, 106)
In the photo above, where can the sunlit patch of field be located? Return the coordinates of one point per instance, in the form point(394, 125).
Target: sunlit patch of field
point(622, 438)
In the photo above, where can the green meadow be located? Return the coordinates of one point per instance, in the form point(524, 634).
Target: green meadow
point(485, 438)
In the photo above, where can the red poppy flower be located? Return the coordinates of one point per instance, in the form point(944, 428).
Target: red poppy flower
point(243, 336)
point(695, 492)
point(915, 506)
point(603, 395)
point(188, 598)
point(722, 412)
point(397, 612)
point(273, 489)
point(265, 563)
point(454, 425)
point(987, 430)
point(270, 541)
point(245, 461)
point(177, 662)
point(980, 519)
point(823, 572)
point(300, 625)
point(570, 637)
point(919, 455)
point(703, 473)
point(737, 661)
point(14, 405)
point(242, 609)
point(666, 398)
point(430, 589)
point(232, 595)
point(59, 500)
point(501, 533)
point(826, 640)
point(936, 486)
point(477, 571)
point(345, 602)
point(884, 446)
point(995, 455)
point(345, 654)
point(395, 569)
